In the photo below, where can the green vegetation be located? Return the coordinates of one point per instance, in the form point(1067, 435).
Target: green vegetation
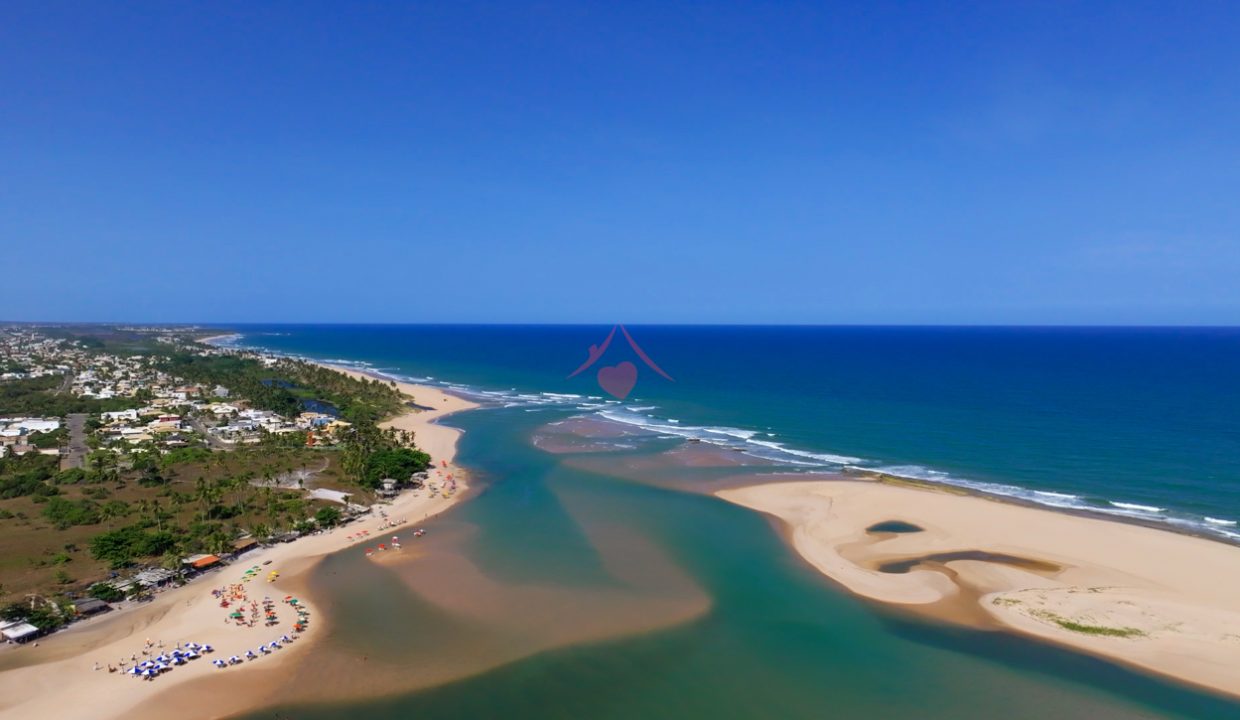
point(1103, 630)
point(27, 474)
point(39, 397)
point(179, 456)
point(327, 516)
point(49, 440)
point(120, 548)
point(45, 616)
point(399, 463)
point(62, 531)
point(285, 387)
point(106, 592)
point(67, 513)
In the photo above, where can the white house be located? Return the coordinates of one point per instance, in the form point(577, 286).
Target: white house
point(115, 415)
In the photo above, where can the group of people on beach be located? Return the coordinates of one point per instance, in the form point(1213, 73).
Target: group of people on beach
point(155, 658)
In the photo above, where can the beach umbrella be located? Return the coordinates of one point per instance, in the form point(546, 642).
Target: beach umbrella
point(208, 648)
point(134, 670)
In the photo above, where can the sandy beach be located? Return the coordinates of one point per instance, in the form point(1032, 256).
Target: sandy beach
point(56, 678)
point(1154, 600)
point(215, 339)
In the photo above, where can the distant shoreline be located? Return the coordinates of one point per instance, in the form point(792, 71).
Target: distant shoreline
point(215, 340)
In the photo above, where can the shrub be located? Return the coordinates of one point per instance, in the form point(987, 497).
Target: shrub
point(106, 592)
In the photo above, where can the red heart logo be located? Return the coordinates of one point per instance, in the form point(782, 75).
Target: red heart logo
point(619, 380)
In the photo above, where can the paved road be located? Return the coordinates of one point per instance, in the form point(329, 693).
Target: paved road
point(212, 440)
point(75, 453)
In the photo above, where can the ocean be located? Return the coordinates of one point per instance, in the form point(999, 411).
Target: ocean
point(1139, 422)
point(583, 580)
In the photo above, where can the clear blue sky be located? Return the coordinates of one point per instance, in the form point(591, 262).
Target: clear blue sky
point(637, 162)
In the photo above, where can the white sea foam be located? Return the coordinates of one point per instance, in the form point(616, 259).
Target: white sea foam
point(1056, 495)
point(772, 449)
point(732, 432)
point(727, 437)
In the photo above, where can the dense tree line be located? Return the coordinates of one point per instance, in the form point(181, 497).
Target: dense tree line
point(286, 387)
point(28, 474)
point(38, 397)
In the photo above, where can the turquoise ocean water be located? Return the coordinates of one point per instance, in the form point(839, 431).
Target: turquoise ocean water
point(728, 622)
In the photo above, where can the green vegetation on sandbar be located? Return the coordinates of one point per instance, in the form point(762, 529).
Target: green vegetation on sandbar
point(1102, 630)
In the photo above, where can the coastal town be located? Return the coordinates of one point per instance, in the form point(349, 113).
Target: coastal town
point(133, 460)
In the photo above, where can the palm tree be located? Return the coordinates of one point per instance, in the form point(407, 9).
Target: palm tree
point(158, 514)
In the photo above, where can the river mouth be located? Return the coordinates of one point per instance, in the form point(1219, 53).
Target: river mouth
point(609, 582)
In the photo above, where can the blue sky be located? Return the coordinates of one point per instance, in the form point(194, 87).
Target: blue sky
point(1059, 163)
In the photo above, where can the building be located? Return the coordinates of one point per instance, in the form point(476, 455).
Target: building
point(201, 562)
point(115, 415)
point(90, 606)
point(19, 631)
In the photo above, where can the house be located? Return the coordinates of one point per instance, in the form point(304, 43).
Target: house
point(201, 562)
point(387, 487)
point(118, 415)
point(244, 545)
point(153, 577)
point(90, 606)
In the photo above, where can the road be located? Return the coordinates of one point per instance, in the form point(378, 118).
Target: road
point(212, 440)
point(75, 453)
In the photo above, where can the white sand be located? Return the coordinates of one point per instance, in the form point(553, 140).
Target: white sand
point(1178, 595)
point(66, 687)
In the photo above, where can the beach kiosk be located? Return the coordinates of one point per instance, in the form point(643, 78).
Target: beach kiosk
point(19, 631)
